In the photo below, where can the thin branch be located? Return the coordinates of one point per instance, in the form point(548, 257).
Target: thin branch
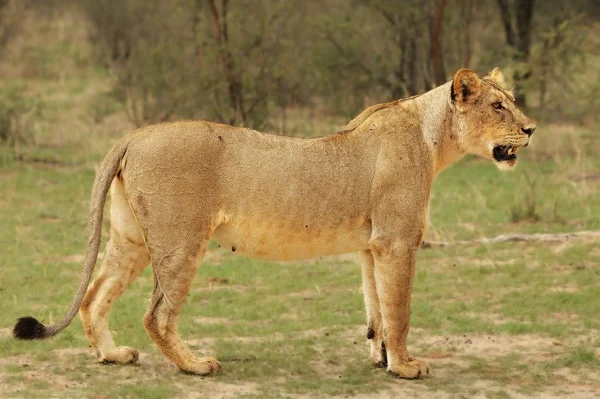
point(506, 16)
point(224, 24)
point(217, 20)
point(357, 63)
point(438, 66)
point(386, 14)
point(524, 14)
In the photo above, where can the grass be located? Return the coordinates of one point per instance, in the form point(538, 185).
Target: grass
point(473, 199)
point(493, 320)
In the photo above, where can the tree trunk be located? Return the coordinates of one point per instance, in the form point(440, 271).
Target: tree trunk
point(544, 77)
point(439, 72)
point(523, 18)
point(412, 58)
point(232, 77)
point(399, 89)
point(467, 9)
point(517, 27)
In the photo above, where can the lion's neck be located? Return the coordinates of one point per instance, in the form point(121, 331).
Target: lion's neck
point(439, 127)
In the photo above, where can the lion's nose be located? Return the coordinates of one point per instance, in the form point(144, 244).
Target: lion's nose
point(528, 130)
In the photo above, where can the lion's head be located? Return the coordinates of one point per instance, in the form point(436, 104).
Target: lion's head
point(491, 124)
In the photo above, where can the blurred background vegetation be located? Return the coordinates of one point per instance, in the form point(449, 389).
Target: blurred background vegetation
point(72, 68)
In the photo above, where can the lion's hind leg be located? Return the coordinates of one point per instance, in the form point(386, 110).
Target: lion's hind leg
point(174, 271)
point(125, 257)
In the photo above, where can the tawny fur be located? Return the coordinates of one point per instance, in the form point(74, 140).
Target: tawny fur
point(177, 185)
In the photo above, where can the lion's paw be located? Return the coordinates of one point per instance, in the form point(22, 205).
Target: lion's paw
point(204, 366)
point(122, 355)
point(412, 369)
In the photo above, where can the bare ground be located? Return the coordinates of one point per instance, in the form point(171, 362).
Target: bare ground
point(449, 356)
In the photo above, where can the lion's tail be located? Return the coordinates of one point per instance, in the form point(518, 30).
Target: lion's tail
point(30, 328)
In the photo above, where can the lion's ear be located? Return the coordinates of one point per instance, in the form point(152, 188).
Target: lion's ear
point(465, 86)
point(497, 76)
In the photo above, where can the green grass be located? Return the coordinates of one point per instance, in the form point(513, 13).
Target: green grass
point(474, 199)
point(493, 320)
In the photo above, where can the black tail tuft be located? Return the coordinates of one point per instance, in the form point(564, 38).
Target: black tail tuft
point(29, 328)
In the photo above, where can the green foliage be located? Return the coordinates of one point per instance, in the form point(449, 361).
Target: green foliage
point(558, 59)
point(172, 62)
point(106, 104)
point(239, 62)
point(16, 111)
point(243, 62)
point(526, 207)
point(141, 42)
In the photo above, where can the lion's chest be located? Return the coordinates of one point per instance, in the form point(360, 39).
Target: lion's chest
point(283, 240)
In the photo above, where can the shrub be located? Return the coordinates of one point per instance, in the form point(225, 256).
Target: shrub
point(16, 110)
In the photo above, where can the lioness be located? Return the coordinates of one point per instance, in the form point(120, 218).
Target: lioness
point(177, 185)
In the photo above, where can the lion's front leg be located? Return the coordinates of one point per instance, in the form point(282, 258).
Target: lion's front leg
point(377, 354)
point(394, 271)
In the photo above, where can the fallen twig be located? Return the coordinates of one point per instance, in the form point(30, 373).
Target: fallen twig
point(540, 237)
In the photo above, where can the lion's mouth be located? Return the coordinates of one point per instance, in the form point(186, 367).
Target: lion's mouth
point(503, 153)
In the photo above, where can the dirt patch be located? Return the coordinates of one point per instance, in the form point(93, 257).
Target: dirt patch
point(489, 345)
point(19, 360)
point(581, 379)
point(213, 320)
point(443, 264)
point(468, 226)
point(5, 333)
point(307, 294)
point(33, 373)
point(562, 247)
point(68, 354)
point(8, 173)
point(495, 318)
point(214, 256)
point(327, 368)
point(565, 316)
point(223, 390)
point(570, 288)
point(29, 375)
point(403, 389)
point(22, 230)
point(585, 176)
point(57, 382)
point(230, 287)
point(449, 352)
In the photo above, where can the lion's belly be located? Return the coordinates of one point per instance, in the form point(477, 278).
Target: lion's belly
point(278, 241)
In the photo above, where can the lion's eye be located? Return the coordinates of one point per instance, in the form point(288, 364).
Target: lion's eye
point(498, 105)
